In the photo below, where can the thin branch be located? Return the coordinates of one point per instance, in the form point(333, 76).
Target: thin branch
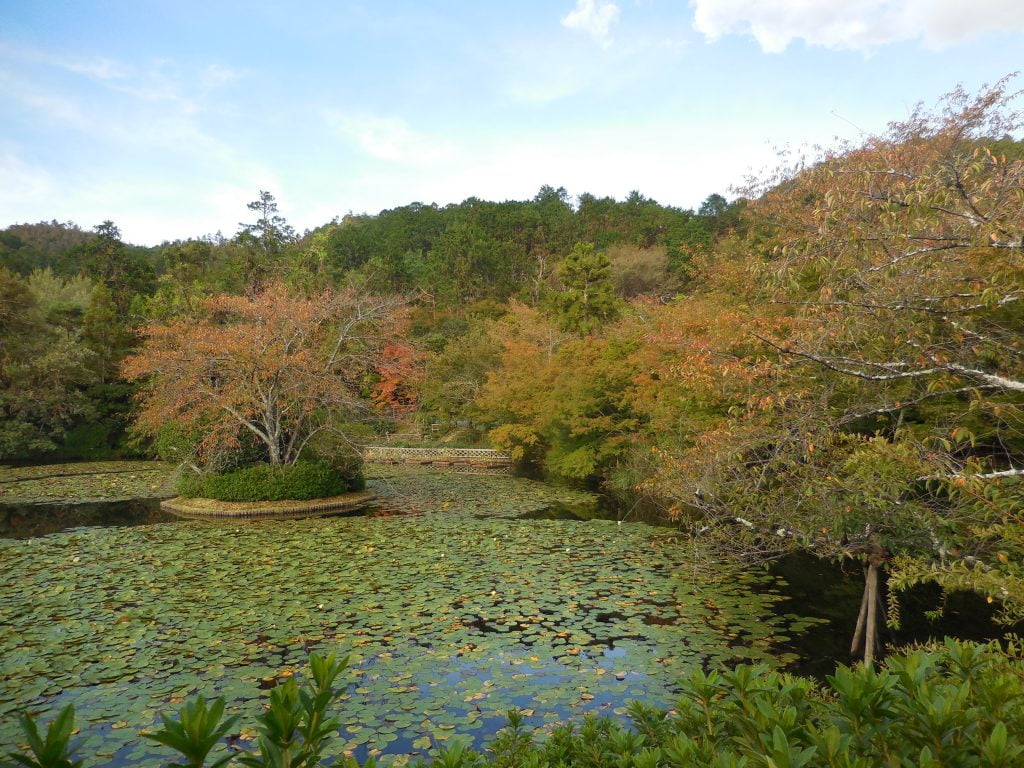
point(992, 379)
point(910, 403)
point(916, 252)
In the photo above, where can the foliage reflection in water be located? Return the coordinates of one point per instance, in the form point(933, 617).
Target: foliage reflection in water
point(451, 616)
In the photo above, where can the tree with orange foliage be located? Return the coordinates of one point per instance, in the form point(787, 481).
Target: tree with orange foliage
point(865, 387)
point(559, 400)
point(277, 368)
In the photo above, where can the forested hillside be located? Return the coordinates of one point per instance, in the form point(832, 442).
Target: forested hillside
point(81, 296)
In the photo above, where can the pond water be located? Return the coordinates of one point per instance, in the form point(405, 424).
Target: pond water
point(24, 521)
point(471, 602)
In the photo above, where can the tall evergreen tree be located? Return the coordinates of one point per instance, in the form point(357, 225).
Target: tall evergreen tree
point(587, 298)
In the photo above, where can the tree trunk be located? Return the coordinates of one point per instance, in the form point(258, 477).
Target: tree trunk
point(274, 451)
point(858, 633)
point(871, 628)
point(865, 636)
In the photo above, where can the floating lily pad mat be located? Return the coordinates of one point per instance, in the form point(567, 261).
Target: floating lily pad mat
point(451, 615)
point(85, 482)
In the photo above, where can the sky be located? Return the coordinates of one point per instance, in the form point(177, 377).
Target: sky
point(169, 116)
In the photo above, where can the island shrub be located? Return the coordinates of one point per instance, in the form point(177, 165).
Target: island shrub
point(335, 448)
point(264, 482)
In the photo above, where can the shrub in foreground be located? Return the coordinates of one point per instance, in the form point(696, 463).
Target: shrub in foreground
point(959, 705)
point(264, 482)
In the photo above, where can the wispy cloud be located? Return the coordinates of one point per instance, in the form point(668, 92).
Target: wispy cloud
point(23, 181)
point(595, 17)
point(93, 67)
point(50, 105)
point(217, 75)
point(389, 138)
point(98, 69)
point(859, 25)
point(183, 178)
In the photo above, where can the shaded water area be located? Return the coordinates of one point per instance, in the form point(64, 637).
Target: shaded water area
point(826, 591)
point(456, 598)
point(22, 521)
point(40, 499)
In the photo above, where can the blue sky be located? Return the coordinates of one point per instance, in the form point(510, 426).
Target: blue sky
point(167, 117)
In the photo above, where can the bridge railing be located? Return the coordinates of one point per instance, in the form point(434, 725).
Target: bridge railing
point(440, 454)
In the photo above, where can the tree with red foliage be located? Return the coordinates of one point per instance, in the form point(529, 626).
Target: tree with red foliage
point(400, 368)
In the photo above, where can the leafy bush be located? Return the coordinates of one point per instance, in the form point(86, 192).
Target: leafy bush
point(959, 705)
point(175, 444)
point(335, 448)
point(264, 482)
point(183, 445)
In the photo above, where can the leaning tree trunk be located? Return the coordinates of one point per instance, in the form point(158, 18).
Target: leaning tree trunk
point(865, 636)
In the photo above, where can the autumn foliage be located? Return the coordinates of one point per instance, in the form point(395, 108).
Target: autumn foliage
point(400, 370)
point(851, 380)
point(274, 368)
point(844, 374)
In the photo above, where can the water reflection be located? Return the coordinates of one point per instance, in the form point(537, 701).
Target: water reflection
point(24, 521)
point(824, 589)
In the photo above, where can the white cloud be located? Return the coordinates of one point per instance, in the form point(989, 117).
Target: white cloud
point(859, 25)
point(99, 69)
point(51, 106)
point(389, 138)
point(595, 17)
point(217, 75)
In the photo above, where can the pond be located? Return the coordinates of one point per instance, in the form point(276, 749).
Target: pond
point(467, 604)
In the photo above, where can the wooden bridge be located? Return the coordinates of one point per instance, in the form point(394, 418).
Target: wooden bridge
point(458, 459)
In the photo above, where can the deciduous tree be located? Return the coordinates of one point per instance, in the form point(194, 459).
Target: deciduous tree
point(275, 367)
point(872, 401)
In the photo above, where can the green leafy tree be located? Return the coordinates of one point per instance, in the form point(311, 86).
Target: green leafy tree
point(586, 300)
point(43, 369)
point(109, 261)
point(560, 401)
point(62, 301)
point(455, 376)
point(105, 334)
point(47, 244)
point(263, 240)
